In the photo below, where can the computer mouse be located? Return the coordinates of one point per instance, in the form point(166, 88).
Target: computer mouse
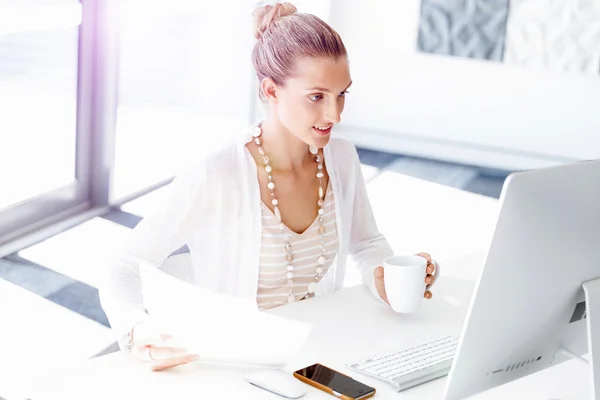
point(277, 381)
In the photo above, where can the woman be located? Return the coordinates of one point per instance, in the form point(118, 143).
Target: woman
point(272, 217)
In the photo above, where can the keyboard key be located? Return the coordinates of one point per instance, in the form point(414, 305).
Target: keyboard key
point(411, 366)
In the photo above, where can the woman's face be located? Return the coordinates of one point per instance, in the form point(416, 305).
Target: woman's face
point(313, 98)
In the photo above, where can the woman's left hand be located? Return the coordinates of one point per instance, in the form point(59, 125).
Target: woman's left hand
point(429, 278)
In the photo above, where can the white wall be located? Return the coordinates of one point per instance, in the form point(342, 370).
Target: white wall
point(462, 110)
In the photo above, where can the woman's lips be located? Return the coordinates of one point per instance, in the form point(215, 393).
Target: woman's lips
point(323, 132)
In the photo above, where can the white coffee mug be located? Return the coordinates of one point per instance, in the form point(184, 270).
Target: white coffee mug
point(404, 277)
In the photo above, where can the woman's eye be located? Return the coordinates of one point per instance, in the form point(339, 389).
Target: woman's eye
point(317, 97)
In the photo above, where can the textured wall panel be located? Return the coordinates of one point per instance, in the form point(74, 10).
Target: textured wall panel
point(464, 28)
point(562, 35)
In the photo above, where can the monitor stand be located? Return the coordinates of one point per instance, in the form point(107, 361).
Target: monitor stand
point(592, 306)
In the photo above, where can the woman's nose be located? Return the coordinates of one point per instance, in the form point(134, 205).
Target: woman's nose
point(334, 114)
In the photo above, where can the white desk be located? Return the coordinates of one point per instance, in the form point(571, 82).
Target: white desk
point(348, 325)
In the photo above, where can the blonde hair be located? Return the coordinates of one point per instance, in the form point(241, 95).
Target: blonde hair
point(284, 35)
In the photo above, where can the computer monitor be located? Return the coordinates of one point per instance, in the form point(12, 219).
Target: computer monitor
point(539, 289)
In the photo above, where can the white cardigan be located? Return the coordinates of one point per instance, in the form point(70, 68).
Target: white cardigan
point(214, 208)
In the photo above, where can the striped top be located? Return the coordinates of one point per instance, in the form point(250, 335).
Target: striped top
point(273, 288)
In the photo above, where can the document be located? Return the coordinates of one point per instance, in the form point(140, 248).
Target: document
point(217, 327)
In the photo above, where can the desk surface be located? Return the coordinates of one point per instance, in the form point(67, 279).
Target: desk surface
point(348, 325)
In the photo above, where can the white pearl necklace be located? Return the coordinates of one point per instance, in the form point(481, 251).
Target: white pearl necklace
point(312, 287)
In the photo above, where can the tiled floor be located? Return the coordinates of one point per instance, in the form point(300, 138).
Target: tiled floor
point(487, 182)
point(442, 208)
point(33, 277)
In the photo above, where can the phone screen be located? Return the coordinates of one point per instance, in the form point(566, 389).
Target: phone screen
point(334, 380)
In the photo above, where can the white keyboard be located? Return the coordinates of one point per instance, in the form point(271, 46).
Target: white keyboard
point(412, 366)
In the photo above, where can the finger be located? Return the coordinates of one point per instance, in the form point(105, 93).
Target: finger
point(155, 339)
point(428, 295)
point(167, 341)
point(429, 279)
point(430, 268)
point(165, 337)
point(159, 353)
point(380, 283)
point(150, 339)
point(425, 256)
point(174, 362)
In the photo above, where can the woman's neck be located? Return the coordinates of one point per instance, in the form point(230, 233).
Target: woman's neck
point(286, 152)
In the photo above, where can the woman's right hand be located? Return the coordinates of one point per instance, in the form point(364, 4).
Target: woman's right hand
point(152, 345)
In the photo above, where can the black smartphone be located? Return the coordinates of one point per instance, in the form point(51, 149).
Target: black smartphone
point(334, 382)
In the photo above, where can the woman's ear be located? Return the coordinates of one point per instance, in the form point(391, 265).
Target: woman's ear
point(269, 90)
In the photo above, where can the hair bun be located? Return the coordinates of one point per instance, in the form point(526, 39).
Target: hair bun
point(265, 15)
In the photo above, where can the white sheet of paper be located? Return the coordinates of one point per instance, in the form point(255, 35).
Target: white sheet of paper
point(217, 327)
